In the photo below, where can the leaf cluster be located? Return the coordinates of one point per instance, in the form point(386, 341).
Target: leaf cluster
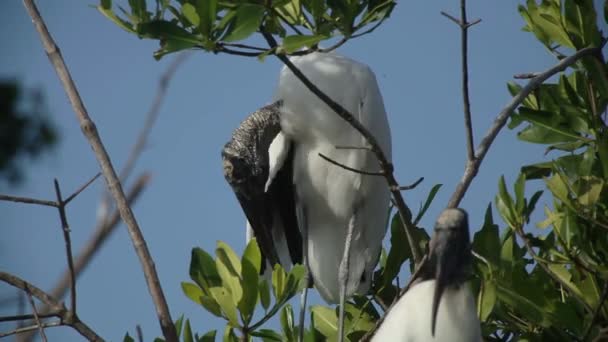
point(216, 25)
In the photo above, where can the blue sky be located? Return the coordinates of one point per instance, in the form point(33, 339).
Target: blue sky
point(416, 57)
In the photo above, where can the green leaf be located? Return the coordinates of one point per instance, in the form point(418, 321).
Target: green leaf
point(250, 261)
point(178, 325)
point(207, 10)
point(278, 282)
point(520, 187)
point(325, 321)
point(228, 257)
point(588, 189)
point(486, 241)
point(229, 268)
point(188, 332)
point(229, 335)
point(516, 301)
point(287, 322)
point(400, 251)
point(203, 270)
point(166, 30)
point(295, 42)
point(268, 335)
point(264, 293)
point(558, 187)
point(505, 206)
point(190, 13)
point(123, 24)
point(246, 21)
point(192, 291)
point(208, 337)
point(427, 203)
point(486, 300)
point(225, 300)
point(106, 4)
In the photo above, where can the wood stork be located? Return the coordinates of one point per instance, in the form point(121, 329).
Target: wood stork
point(342, 214)
point(439, 306)
point(270, 212)
point(278, 175)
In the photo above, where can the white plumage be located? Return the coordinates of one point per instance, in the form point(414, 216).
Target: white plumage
point(410, 319)
point(328, 196)
point(439, 306)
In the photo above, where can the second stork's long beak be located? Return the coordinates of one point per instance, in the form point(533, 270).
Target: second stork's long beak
point(450, 252)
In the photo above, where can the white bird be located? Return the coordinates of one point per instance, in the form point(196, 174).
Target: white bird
point(439, 306)
point(285, 188)
point(330, 200)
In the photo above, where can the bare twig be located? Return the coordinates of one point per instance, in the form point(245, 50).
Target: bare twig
point(27, 200)
point(348, 168)
point(66, 316)
point(27, 317)
point(411, 186)
point(36, 318)
point(102, 232)
point(464, 28)
point(30, 328)
point(596, 312)
point(482, 149)
point(79, 190)
point(90, 131)
point(385, 165)
point(68, 245)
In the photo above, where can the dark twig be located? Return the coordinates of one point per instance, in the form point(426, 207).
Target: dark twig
point(27, 200)
point(385, 165)
point(90, 132)
point(411, 186)
point(482, 149)
point(36, 318)
point(98, 238)
point(366, 148)
point(68, 245)
point(26, 317)
point(66, 316)
point(596, 312)
point(348, 168)
point(464, 37)
point(84, 186)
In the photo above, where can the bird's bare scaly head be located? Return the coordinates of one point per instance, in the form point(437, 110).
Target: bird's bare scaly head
point(450, 251)
point(236, 169)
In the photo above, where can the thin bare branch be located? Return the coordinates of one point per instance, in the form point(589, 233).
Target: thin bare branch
point(98, 238)
point(482, 149)
point(140, 334)
point(464, 56)
point(385, 165)
point(36, 318)
point(27, 317)
point(30, 328)
point(526, 76)
point(27, 200)
point(90, 131)
point(68, 244)
point(411, 186)
point(67, 317)
point(79, 190)
point(348, 168)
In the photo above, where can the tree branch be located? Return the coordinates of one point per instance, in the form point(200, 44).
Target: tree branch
point(482, 149)
point(385, 165)
point(36, 318)
point(90, 131)
point(28, 200)
point(98, 238)
point(66, 316)
point(348, 168)
point(68, 244)
point(596, 312)
point(464, 29)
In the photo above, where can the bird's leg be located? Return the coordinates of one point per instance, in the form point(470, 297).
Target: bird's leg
point(343, 275)
point(308, 278)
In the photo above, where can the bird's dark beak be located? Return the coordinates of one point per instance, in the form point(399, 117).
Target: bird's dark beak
point(450, 249)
